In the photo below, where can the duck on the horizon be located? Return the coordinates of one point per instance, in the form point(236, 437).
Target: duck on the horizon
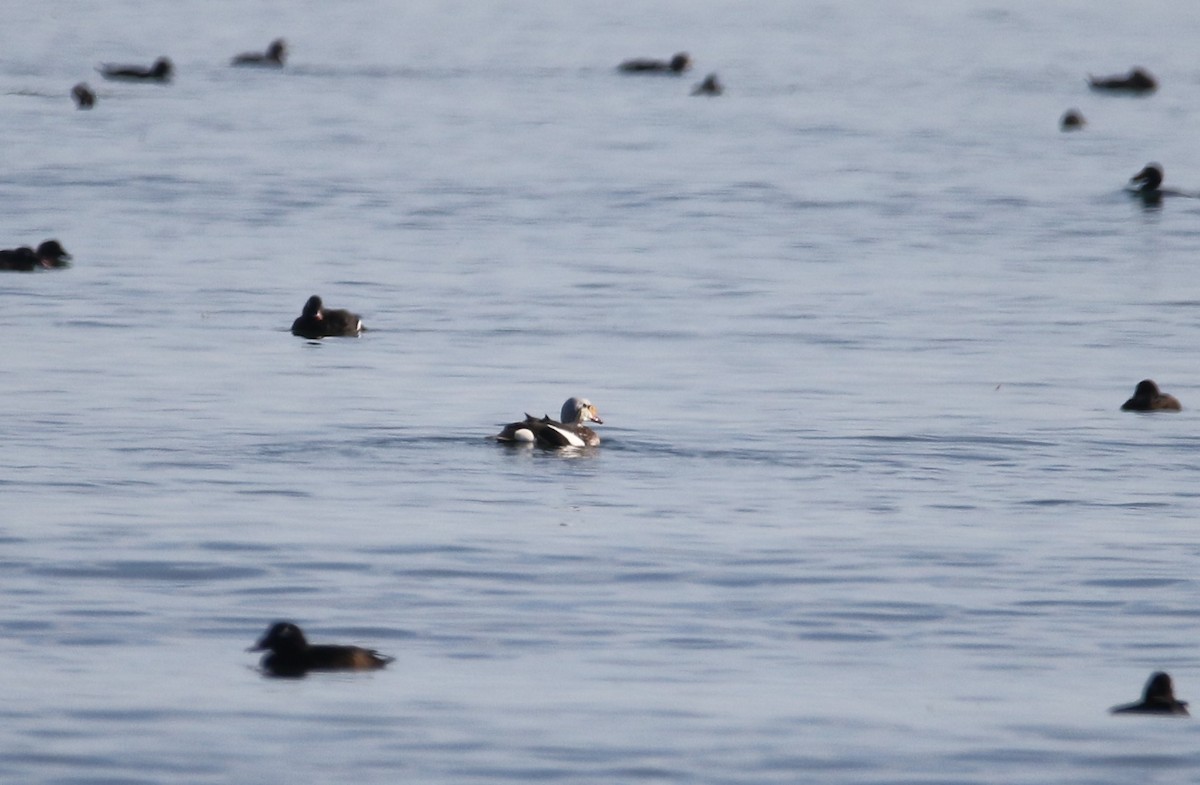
point(570, 431)
point(710, 86)
point(161, 71)
point(1157, 698)
point(1072, 120)
point(292, 655)
point(1147, 398)
point(1149, 184)
point(83, 95)
point(317, 321)
point(1138, 81)
point(48, 255)
point(646, 65)
point(274, 57)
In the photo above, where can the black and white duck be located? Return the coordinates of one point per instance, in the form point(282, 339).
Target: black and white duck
point(569, 431)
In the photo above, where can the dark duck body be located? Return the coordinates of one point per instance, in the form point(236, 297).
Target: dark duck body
point(1147, 398)
point(1138, 82)
point(22, 260)
point(274, 57)
point(645, 65)
point(161, 71)
point(290, 654)
point(49, 254)
point(570, 431)
point(1157, 698)
point(317, 321)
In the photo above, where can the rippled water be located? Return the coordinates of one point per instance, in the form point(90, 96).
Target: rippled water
point(865, 510)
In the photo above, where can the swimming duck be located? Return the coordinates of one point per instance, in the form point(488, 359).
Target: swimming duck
point(1137, 81)
point(710, 86)
point(159, 72)
point(83, 95)
point(274, 56)
point(317, 321)
point(1072, 120)
point(1158, 698)
point(49, 254)
point(1149, 187)
point(292, 655)
point(1147, 398)
point(570, 431)
point(676, 65)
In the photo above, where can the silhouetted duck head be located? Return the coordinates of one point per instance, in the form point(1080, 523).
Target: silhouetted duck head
point(52, 254)
point(1157, 698)
point(1148, 398)
point(83, 95)
point(162, 69)
point(1072, 120)
point(710, 86)
point(1150, 178)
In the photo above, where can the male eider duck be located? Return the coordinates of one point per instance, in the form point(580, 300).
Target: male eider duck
point(1138, 81)
point(1147, 398)
point(710, 86)
point(159, 72)
point(317, 321)
point(644, 65)
point(1072, 120)
point(48, 255)
point(1158, 698)
point(292, 655)
point(274, 57)
point(83, 95)
point(569, 432)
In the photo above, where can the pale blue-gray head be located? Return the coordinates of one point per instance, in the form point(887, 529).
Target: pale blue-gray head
point(579, 410)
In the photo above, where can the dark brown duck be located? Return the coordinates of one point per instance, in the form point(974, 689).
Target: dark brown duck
point(1148, 398)
point(1157, 698)
point(290, 654)
point(317, 321)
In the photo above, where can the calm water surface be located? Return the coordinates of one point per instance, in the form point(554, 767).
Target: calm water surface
point(865, 511)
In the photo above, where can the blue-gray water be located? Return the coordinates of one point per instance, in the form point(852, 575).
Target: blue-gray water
point(865, 512)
